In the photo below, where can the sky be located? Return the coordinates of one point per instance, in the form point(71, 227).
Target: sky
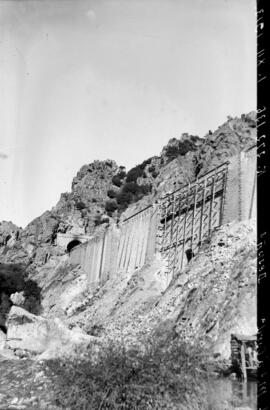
point(94, 79)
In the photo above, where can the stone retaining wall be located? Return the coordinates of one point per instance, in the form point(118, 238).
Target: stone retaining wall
point(225, 194)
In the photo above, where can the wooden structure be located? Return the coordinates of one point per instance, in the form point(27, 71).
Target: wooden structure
point(189, 215)
point(244, 355)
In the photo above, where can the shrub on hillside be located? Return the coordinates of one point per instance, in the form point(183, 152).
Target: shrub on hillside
point(80, 205)
point(124, 199)
point(131, 187)
point(111, 193)
point(132, 192)
point(151, 376)
point(134, 173)
point(173, 152)
point(116, 180)
point(111, 206)
point(99, 220)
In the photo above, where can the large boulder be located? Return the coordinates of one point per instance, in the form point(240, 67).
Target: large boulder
point(26, 331)
point(17, 298)
point(36, 334)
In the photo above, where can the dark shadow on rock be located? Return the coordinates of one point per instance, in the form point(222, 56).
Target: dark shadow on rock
point(14, 278)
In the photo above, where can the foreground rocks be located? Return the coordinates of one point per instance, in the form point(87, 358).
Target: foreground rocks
point(37, 335)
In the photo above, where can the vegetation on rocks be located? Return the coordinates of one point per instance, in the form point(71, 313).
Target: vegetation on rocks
point(151, 375)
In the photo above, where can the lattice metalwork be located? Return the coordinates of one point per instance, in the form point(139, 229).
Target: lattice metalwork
point(188, 216)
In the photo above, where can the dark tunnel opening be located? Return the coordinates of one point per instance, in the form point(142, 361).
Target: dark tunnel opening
point(71, 245)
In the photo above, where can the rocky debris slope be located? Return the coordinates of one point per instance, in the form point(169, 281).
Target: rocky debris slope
point(212, 298)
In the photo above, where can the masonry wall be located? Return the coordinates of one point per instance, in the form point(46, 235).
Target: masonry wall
point(249, 184)
point(135, 244)
point(241, 190)
point(124, 248)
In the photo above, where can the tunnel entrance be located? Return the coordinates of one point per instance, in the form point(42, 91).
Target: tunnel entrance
point(3, 328)
point(72, 244)
point(189, 254)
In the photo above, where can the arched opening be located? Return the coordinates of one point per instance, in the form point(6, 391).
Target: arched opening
point(3, 328)
point(189, 254)
point(72, 244)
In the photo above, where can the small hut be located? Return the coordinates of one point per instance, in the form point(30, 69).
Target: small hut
point(244, 355)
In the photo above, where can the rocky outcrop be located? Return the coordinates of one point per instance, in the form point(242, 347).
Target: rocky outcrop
point(26, 331)
point(9, 233)
point(35, 334)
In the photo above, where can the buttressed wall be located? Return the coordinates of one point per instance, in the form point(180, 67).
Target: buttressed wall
point(177, 226)
point(121, 248)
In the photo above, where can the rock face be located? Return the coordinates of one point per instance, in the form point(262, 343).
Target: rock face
point(38, 335)
point(26, 331)
point(9, 233)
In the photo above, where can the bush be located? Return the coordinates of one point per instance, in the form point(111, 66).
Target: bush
point(111, 193)
point(150, 376)
point(111, 206)
point(145, 189)
point(80, 205)
point(185, 147)
point(121, 174)
point(116, 181)
point(173, 152)
point(118, 178)
point(124, 199)
point(135, 173)
point(131, 187)
point(99, 220)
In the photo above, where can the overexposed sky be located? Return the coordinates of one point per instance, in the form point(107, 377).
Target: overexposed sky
point(96, 79)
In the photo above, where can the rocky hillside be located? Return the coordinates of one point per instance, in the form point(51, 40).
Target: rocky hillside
point(212, 298)
point(102, 191)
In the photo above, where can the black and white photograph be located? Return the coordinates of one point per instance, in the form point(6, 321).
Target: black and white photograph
point(128, 204)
